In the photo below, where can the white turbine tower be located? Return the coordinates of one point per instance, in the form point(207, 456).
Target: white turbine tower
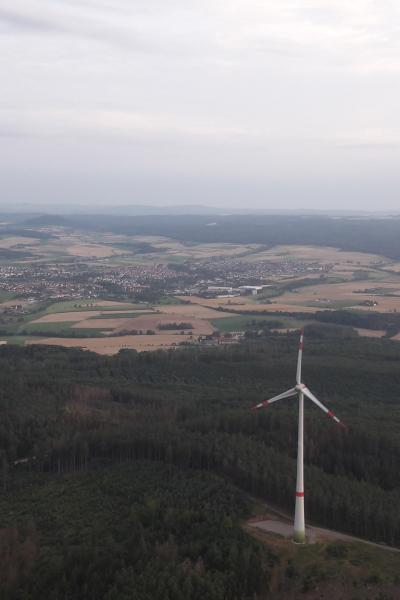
point(301, 390)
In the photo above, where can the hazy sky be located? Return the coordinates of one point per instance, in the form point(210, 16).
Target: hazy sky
point(273, 103)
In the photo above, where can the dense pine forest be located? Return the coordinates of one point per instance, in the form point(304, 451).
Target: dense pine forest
point(130, 476)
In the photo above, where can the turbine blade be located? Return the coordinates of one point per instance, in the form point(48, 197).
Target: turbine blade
point(301, 346)
point(287, 394)
point(326, 410)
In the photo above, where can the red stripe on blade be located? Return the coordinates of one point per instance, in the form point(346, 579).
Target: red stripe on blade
point(330, 413)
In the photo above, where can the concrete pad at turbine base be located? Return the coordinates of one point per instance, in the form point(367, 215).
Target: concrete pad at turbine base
point(313, 534)
point(272, 526)
point(285, 529)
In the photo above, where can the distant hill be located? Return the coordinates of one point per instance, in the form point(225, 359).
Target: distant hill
point(48, 221)
point(375, 235)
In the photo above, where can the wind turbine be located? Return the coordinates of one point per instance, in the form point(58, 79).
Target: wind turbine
point(301, 390)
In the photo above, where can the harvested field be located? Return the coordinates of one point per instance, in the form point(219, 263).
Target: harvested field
point(112, 345)
point(81, 315)
point(349, 294)
point(321, 254)
point(276, 307)
point(9, 303)
point(146, 322)
point(67, 316)
point(115, 320)
point(110, 323)
point(11, 242)
point(172, 247)
point(211, 303)
point(385, 304)
point(95, 250)
point(241, 305)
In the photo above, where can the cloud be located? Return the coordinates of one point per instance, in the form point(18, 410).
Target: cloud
point(256, 86)
point(120, 125)
point(360, 34)
point(368, 139)
point(20, 22)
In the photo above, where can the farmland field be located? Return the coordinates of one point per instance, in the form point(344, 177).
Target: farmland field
point(77, 316)
point(116, 321)
point(241, 323)
point(303, 279)
point(350, 294)
point(112, 345)
point(246, 305)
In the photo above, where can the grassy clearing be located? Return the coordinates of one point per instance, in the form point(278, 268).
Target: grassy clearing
point(89, 305)
point(169, 300)
point(338, 569)
point(62, 329)
point(47, 327)
point(353, 565)
point(356, 564)
point(126, 315)
point(226, 325)
point(17, 340)
point(6, 296)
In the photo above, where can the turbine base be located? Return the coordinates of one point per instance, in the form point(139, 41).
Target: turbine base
point(299, 537)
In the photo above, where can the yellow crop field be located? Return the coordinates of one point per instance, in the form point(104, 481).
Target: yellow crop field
point(112, 345)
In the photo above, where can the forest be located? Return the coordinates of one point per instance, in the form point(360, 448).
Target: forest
point(130, 476)
point(365, 234)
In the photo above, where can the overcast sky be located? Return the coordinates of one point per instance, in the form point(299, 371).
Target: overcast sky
point(264, 103)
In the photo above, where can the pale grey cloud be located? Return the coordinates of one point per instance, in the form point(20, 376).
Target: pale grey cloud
point(256, 92)
point(11, 21)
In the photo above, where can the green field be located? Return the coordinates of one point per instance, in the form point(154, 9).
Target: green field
point(47, 327)
point(121, 315)
point(241, 323)
point(89, 305)
point(62, 329)
point(18, 340)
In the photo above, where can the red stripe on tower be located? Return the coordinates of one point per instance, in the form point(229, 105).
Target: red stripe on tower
point(300, 494)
